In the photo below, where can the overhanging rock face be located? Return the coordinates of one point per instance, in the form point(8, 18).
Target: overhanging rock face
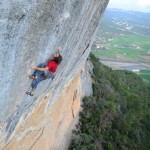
point(30, 32)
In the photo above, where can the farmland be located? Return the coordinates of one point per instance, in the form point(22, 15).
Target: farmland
point(123, 41)
point(133, 48)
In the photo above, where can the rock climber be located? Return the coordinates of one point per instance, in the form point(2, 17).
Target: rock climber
point(45, 71)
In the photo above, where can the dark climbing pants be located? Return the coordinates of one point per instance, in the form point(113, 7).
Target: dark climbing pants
point(41, 75)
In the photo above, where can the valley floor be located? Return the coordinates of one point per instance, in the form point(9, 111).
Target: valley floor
point(142, 69)
point(125, 65)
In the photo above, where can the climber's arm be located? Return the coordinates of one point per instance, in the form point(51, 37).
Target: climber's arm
point(40, 69)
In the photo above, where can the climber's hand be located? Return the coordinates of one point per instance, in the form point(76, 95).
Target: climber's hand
point(34, 67)
point(59, 50)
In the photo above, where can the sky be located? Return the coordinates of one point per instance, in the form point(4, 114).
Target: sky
point(136, 5)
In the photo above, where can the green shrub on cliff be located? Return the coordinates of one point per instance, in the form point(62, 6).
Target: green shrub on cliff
point(117, 115)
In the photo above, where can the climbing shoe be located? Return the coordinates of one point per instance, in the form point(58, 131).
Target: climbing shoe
point(32, 77)
point(29, 93)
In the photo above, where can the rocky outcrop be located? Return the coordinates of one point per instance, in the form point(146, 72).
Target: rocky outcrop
point(30, 32)
point(44, 129)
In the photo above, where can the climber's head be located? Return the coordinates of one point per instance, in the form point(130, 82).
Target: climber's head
point(56, 55)
point(57, 58)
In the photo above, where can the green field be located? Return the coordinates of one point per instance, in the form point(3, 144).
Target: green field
point(129, 47)
point(145, 74)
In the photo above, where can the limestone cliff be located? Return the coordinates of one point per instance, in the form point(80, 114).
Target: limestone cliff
point(30, 32)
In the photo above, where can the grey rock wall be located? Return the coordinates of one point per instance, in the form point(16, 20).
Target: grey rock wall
point(30, 32)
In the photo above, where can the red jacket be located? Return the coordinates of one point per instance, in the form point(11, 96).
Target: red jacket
point(52, 66)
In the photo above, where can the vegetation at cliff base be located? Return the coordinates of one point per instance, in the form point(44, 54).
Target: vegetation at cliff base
point(117, 115)
point(145, 74)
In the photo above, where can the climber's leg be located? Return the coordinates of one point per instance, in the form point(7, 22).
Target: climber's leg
point(32, 92)
point(34, 85)
point(38, 73)
point(36, 82)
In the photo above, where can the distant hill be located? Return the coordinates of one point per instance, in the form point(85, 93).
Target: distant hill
point(126, 22)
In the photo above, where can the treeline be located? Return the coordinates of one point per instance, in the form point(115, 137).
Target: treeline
point(117, 115)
